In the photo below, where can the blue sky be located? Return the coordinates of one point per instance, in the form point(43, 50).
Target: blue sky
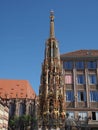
point(24, 28)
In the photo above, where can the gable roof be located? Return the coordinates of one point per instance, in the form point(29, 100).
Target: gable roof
point(81, 53)
point(16, 89)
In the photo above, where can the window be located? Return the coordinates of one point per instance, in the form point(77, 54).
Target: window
point(70, 114)
point(68, 79)
point(22, 109)
point(95, 116)
point(92, 79)
point(67, 65)
point(80, 65)
point(91, 65)
point(81, 96)
point(11, 109)
point(83, 115)
point(30, 109)
point(69, 96)
point(94, 96)
point(80, 79)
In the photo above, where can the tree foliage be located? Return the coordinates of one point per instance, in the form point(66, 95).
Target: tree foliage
point(23, 122)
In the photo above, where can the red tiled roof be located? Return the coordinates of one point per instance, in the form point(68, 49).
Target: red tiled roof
point(81, 53)
point(16, 89)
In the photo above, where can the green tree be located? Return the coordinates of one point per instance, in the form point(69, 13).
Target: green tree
point(24, 122)
point(13, 122)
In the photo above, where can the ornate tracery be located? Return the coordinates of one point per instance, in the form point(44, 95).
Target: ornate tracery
point(51, 91)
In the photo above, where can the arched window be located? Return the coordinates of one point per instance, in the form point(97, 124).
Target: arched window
point(12, 109)
point(22, 109)
point(30, 109)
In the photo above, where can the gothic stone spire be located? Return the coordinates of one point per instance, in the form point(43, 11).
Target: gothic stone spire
point(52, 49)
point(51, 91)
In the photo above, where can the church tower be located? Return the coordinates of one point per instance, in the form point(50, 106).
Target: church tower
point(51, 91)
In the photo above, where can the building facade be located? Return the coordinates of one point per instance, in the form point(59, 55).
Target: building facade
point(4, 115)
point(81, 82)
point(19, 97)
point(51, 91)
